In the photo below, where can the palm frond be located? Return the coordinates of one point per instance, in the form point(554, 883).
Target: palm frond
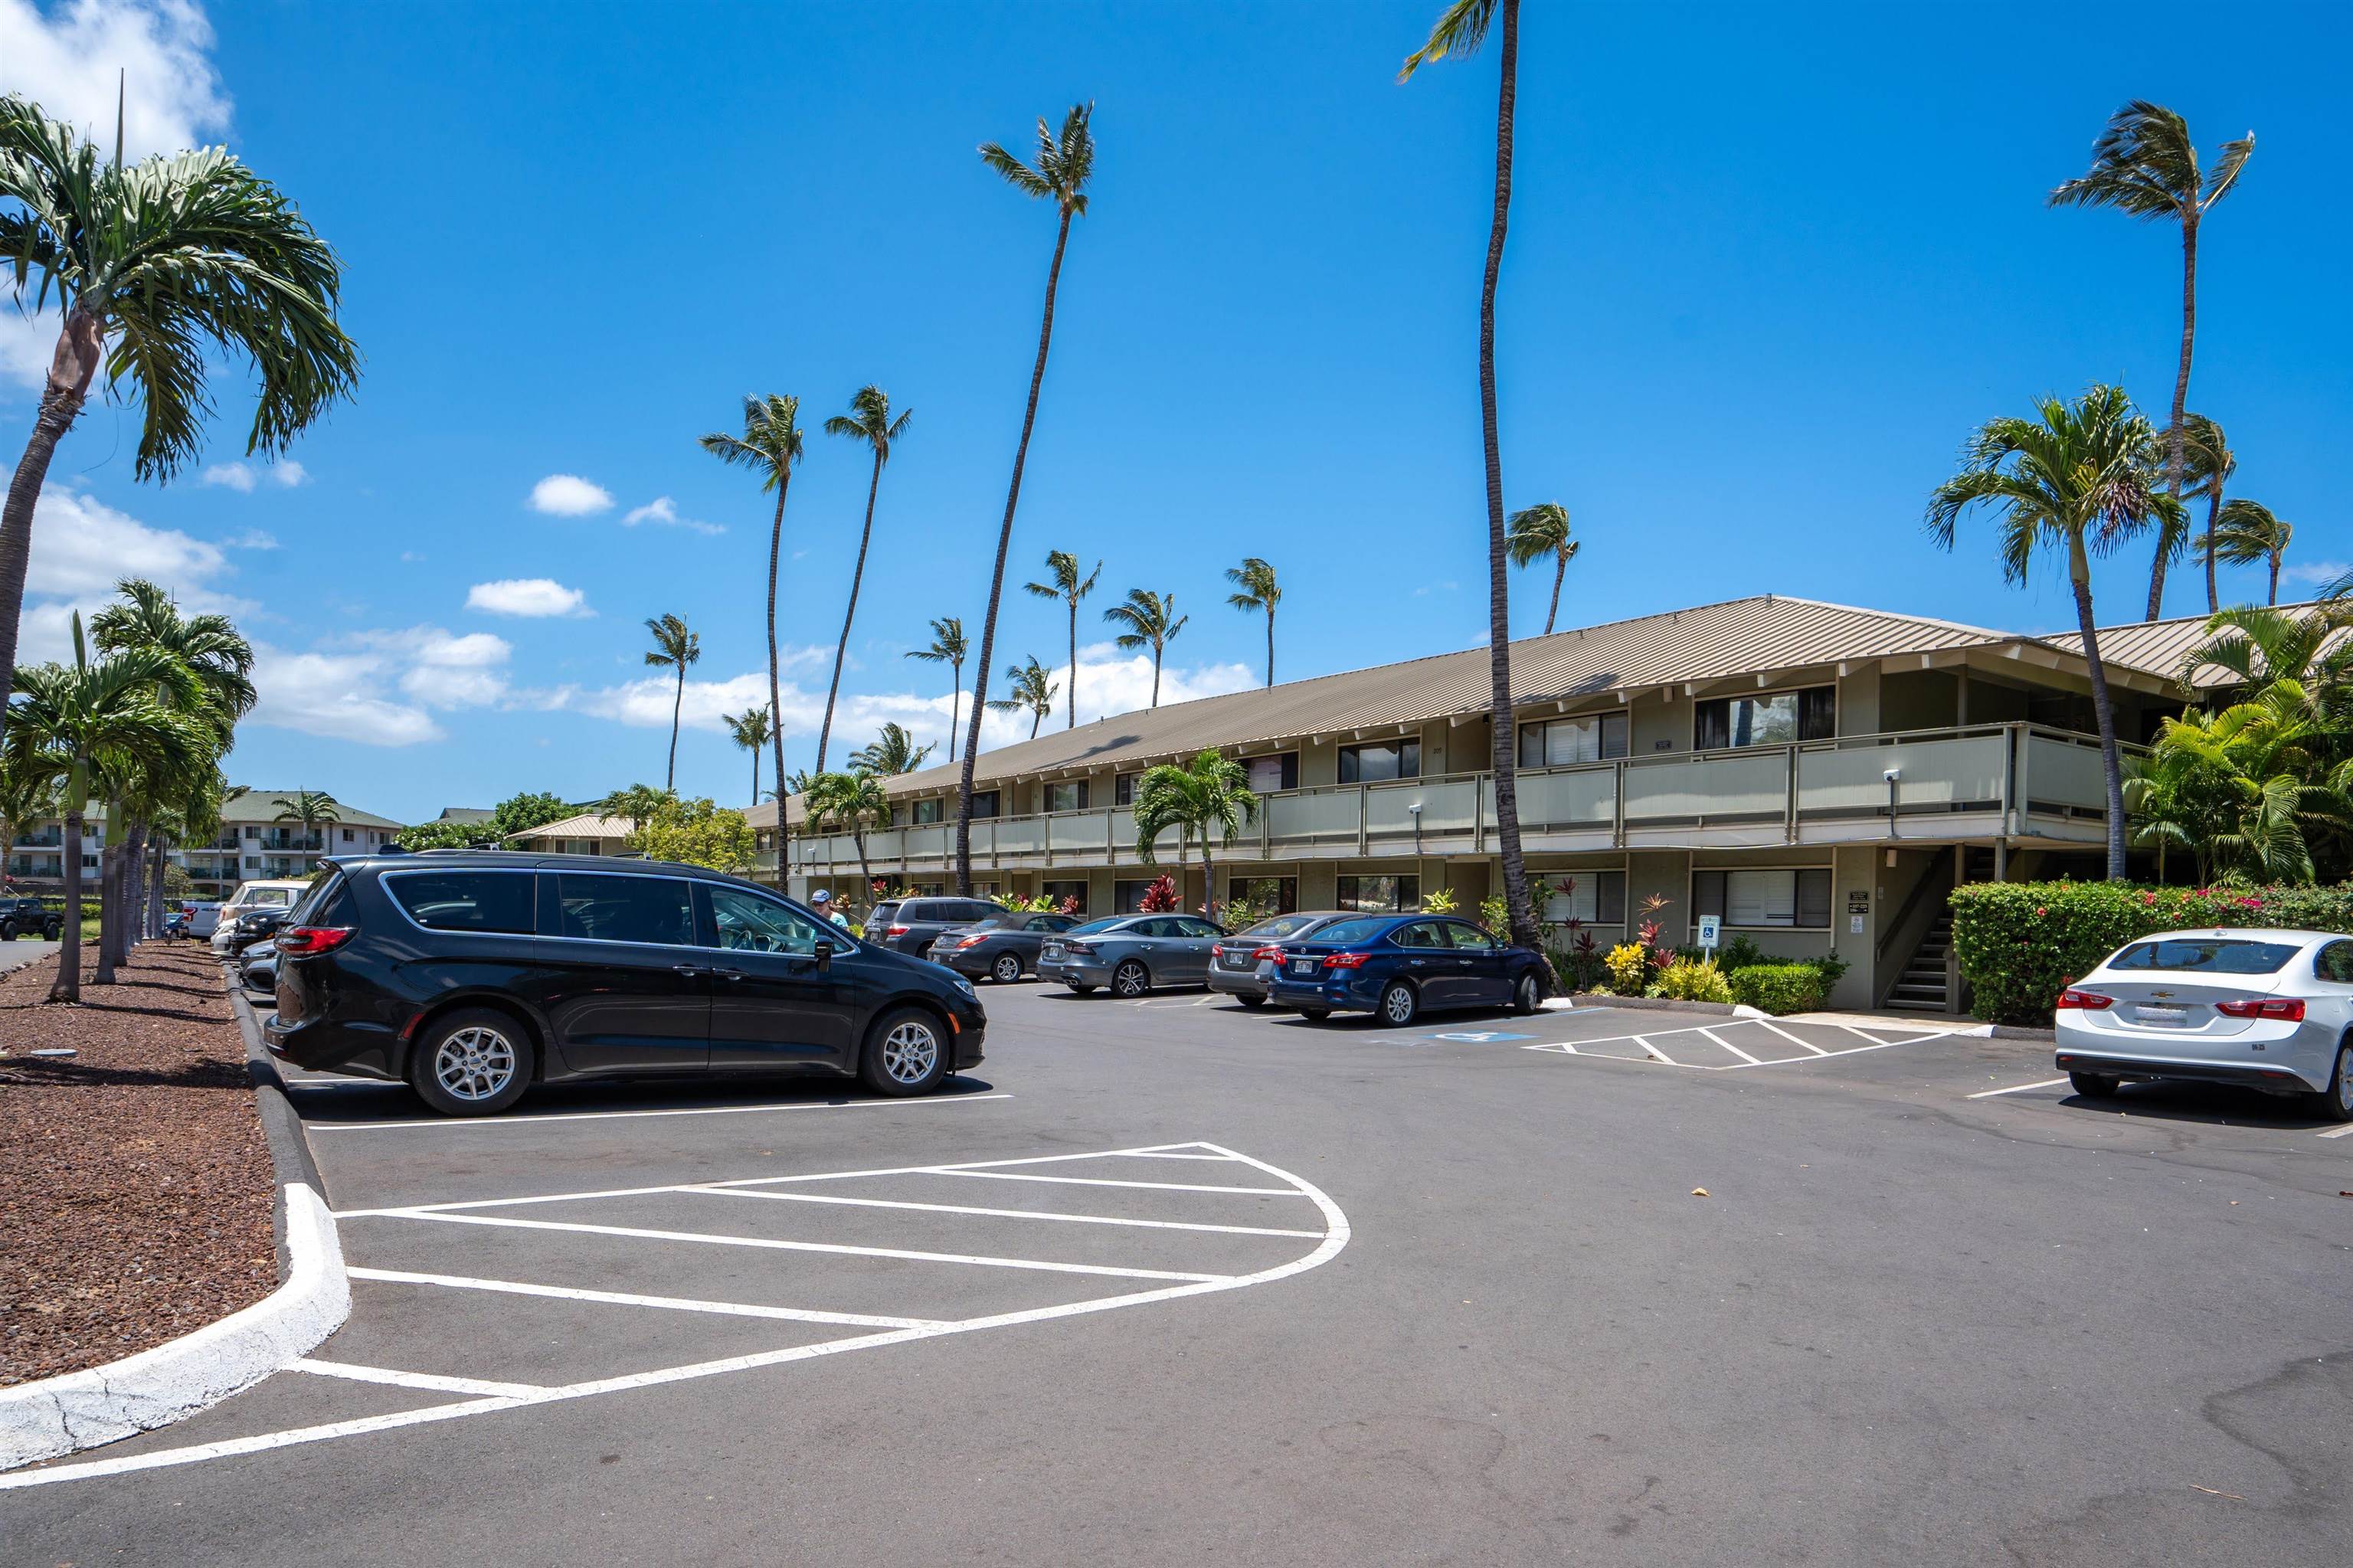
point(1461, 28)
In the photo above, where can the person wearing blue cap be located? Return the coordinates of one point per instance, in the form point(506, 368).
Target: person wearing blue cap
point(822, 902)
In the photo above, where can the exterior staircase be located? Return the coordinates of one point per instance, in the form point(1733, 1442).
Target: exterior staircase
point(1922, 986)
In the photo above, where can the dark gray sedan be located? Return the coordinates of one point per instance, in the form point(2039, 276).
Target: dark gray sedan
point(1131, 953)
point(1003, 947)
point(1235, 967)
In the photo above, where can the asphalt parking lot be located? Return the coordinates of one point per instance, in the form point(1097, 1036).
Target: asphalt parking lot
point(1169, 1281)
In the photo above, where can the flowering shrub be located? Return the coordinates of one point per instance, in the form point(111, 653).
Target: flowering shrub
point(1161, 898)
point(1628, 964)
point(1688, 981)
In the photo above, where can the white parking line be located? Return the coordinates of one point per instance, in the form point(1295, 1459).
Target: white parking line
point(1804, 1044)
point(1654, 1051)
point(1729, 1045)
point(433, 1381)
point(2015, 1090)
point(2345, 1132)
point(625, 1299)
point(529, 1120)
point(1106, 1182)
point(991, 1213)
point(837, 1249)
point(1586, 1047)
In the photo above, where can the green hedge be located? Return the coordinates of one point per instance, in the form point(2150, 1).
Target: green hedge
point(1778, 988)
point(2022, 943)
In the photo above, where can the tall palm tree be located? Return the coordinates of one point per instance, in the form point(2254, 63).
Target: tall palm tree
point(868, 422)
point(1255, 589)
point(752, 729)
point(79, 727)
point(2078, 477)
point(2145, 164)
point(2246, 532)
point(2256, 645)
point(948, 647)
point(1065, 164)
point(1537, 532)
point(1461, 28)
point(1152, 621)
point(889, 754)
point(311, 808)
point(158, 266)
point(1209, 797)
point(855, 802)
point(674, 648)
point(1062, 568)
point(769, 446)
point(1033, 688)
point(2208, 465)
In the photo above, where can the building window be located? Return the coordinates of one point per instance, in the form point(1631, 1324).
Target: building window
point(1266, 895)
point(1794, 898)
point(1776, 718)
point(1559, 743)
point(1376, 760)
point(1127, 896)
point(984, 803)
point(350, 837)
point(1596, 897)
point(1074, 893)
point(1068, 796)
point(1268, 774)
point(928, 889)
point(1380, 894)
point(928, 809)
point(253, 863)
point(1123, 788)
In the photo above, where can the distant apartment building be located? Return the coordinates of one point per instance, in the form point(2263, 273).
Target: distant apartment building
point(253, 845)
point(587, 834)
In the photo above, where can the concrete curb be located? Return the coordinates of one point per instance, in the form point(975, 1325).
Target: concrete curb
point(80, 1410)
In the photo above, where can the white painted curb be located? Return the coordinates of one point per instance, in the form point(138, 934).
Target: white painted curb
point(80, 1410)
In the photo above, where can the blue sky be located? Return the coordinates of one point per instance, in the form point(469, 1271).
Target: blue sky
point(1766, 270)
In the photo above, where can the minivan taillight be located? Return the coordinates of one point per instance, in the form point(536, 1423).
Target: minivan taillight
point(2287, 1008)
point(2089, 1001)
point(304, 941)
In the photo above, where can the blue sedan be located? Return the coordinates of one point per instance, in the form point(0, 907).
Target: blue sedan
point(1397, 965)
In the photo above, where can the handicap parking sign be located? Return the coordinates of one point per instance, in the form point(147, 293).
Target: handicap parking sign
point(1479, 1036)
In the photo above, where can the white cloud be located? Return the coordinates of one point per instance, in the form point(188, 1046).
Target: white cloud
point(380, 688)
point(242, 477)
point(569, 496)
point(286, 474)
point(82, 547)
point(66, 59)
point(527, 596)
point(412, 554)
point(26, 342)
point(2315, 571)
point(237, 476)
point(252, 539)
point(661, 509)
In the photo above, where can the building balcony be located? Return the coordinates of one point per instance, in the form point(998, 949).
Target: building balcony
point(46, 838)
point(2012, 782)
point(283, 843)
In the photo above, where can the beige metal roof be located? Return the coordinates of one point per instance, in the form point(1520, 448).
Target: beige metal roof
point(2159, 646)
point(1713, 641)
point(263, 806)
point(589, 825)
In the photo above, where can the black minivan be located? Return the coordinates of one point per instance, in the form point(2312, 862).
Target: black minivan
point(472, 974)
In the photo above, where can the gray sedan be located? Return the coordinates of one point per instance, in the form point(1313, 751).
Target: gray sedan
point(1131, 953)
point(1235, 967)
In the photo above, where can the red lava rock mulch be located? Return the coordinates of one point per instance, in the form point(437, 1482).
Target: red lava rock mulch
point(135, 1187)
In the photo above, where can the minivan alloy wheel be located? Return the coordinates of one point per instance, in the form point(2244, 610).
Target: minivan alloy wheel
point(474, 1062)
point(910, 1052)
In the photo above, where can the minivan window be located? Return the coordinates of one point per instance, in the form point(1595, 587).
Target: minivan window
point(2210, 955)
point(748, 922)
point(651, 909)
point(497, 901)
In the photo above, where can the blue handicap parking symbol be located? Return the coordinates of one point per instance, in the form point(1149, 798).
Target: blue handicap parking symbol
point(1479, 1036)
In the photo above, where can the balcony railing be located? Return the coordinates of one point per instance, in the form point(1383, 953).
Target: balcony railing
point(2009, 780)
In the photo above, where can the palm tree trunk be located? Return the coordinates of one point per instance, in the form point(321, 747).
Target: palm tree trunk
point(155, 890)
point(110, 906)
point(857, 575)
point(1156, 674)
point(1037, 717)
point(775, 700)
point(997, 578)
point(955, 710)
point(2273, 600)
point(1270, 645)
point(1499, 618)
point(2181, 402)
point(66, 987)
point(81, 343)
point(1559, 570)
point(865, 873)
point(677, 708)
point(1208, 878)
point(1071, 707)
point(2213, 511)
point(2111, 762)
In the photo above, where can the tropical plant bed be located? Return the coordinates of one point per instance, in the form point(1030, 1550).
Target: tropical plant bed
point(135, 1187)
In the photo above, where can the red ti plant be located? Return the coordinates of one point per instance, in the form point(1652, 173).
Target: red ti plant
point(1647, 933)
point(1161, 898)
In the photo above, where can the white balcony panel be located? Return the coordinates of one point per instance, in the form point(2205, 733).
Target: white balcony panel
point(1311, 816)
point(1718, 784)
point(1449, 806)
point(1576, 798)
point(1017, 835)
point(1852, 781)
point(1072, 834)
point(2063, 773)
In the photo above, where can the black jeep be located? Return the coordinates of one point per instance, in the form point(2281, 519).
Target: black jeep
point(28, 917)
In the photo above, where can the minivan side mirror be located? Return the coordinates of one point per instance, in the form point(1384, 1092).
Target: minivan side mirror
point(823, 953)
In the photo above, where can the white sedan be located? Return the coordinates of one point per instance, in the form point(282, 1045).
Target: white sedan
point(2264, 1009)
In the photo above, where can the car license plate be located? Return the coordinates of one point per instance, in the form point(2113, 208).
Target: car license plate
point(2168, 1017)
point(1054, 952)
point(1303, 966)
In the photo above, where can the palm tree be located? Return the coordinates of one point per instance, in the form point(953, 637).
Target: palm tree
point(2208, 466)
point(2245, 531)
point(2078, 477)
point(674, 649)
point(2256, 645)
point(1148, 618)
point(158, 266)
point(311, 808)
point(635, 803)
point(1033, 688)
point(2243, 773)
point(1065, 164)
point(891, 753)
point(769, 446)
point(752, 729)
point(1461, 28)
point(948, 647)
point(1063, 568)
point(868, 422)
point(2144, 164)
point(852, 801)
point(1256, 589)
point(1210, 795)
point(1537, 531)
point(79, 727)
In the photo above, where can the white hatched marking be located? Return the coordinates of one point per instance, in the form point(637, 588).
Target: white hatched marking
point(2345, 1132)
point(431, 1380)
point(1654, 1051)
point(1729, 1045)
point(1105, 1181)
point(1802, 1045)
point(2014, 1089)
point(625, 1299)
point(528, 1119)
point(996, 1213)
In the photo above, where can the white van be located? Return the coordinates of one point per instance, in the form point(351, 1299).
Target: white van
point(204, 917)
point(253, 896)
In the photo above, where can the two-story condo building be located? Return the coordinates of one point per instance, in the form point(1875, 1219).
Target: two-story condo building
point(1818, 776)
point(253, 845)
